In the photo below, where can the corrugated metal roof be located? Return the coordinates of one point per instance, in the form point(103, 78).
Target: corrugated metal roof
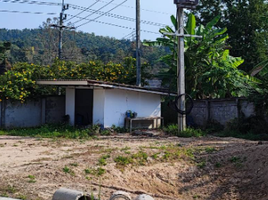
point(103, 84)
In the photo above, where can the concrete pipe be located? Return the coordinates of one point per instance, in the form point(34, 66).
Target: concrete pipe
point(5, 198)
point(144, 197)
point(120, 195)
point(67, 194)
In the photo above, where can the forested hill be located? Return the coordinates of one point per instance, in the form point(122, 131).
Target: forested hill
point(40, 46)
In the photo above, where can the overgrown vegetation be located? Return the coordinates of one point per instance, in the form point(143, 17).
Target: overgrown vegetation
point(189, 132)
point(210, 70)
point(19, 83)
point(50, 131)
point(252, 128)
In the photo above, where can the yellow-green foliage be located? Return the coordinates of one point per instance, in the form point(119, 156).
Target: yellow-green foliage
point(19, 83)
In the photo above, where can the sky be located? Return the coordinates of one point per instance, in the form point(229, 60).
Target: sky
point(154, 13)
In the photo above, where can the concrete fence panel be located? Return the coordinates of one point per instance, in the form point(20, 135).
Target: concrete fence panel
point(22, 115)
point(14, 114)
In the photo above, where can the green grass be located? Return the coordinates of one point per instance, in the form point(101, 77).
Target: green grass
point(201, 164)
point(50, 131)
point(123, 160)
point(210, 149)
point(10, 189)
point(140, 157)
point(189, 132)
point(96, 172)
point(74, 164)
point(125, 149)
point(102, 161)
point(66, 169)
point(31, 179)
point(21, 196)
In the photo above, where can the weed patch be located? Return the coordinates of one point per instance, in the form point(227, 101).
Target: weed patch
point(31, 179)
point(50, 131)
point(95, 172)
point(102, 161)
point(210, 149)
point(189, 132)
point(123, 160)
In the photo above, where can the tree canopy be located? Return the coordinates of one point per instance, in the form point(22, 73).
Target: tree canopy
point(210, 70)
point(246, 23)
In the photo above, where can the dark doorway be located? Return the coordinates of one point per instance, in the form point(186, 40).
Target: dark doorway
point(83, 107)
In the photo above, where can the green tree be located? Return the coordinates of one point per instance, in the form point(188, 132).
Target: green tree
point(210, 70)
point(4, 64)
point(246, 22)
point(19, 83)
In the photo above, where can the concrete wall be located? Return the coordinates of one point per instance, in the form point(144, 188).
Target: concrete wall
point(23, 115)
point(117, 102)
point(32, 113)
point(220, 110)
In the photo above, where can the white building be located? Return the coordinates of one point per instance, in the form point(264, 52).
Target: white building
point(98, 102)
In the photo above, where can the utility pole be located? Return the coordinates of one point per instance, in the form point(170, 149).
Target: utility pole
point(61, 27)
point(181, 70)
point(62, 17)
point(190, 4)
point(138, 44)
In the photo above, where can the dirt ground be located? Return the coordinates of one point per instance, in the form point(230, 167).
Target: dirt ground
point(204, 168)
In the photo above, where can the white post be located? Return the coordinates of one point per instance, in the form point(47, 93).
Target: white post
point(70, 104)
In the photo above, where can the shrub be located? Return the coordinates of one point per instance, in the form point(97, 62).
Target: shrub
point(189, 132)
point(213, 126)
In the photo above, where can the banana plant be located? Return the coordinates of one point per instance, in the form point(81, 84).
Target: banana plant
point(211, 72)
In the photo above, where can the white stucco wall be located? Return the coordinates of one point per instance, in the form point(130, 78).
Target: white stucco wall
point(117, 102)
point(70, 104)
point(98, 106)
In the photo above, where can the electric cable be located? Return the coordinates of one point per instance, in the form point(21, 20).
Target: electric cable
point(126, 6)
point(117, 17)
point(83, 11)
point(95, 11)
point(102, 14)
point(27, 12)
point(130, 34)
point(32, 2)
point(120, 26)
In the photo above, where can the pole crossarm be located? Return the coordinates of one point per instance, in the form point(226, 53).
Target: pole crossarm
point(182, 35)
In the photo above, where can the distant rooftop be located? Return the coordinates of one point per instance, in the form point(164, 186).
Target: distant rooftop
point(155, 83)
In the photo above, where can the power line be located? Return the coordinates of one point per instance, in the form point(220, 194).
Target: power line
point(26, 12)
point(83, 10)
point(126, 6)
point(116, 16)
point(102, 14)
point(95, 11)
point(31, 2)
point(120, 26)
point(130, 34)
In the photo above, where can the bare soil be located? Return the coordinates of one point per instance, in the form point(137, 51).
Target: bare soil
point(206, 168)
